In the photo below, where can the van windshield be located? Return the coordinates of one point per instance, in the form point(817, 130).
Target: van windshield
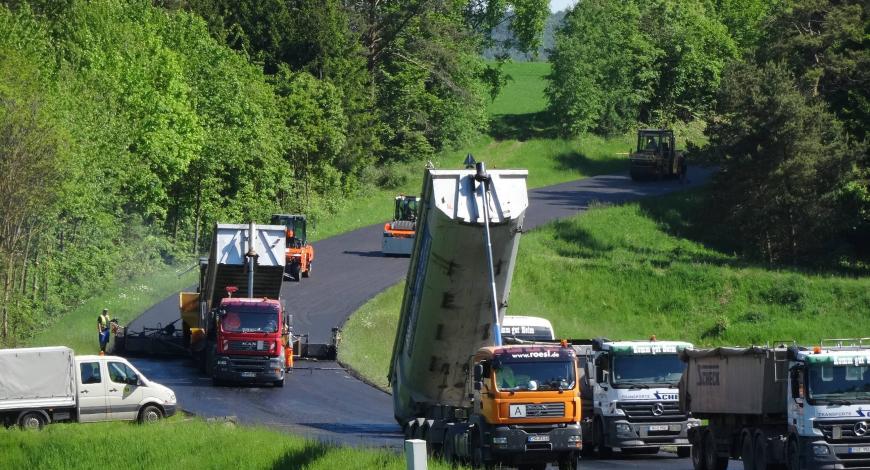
point(647, 369)
point(535, 376)
point(828, 382)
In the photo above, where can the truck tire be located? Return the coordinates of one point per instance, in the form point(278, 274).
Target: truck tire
point(294, 272)
point(747, 452)
point(698, 462)
point(711, 457)
point(793, 456)
point(32, 420)
point(683, 452)
point(604, 452)
point(449, 454)
point(150, 414)
point(760, 453)
point(569, 462)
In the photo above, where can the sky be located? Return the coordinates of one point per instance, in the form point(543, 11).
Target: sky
point(558, 5)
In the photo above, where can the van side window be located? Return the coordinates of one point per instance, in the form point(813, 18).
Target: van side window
point(119, 372)
point(91, 372)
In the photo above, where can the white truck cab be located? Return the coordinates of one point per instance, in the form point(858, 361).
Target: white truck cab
point(630, 396)
point(42, 385)
point(525, 328)
point(829, 404)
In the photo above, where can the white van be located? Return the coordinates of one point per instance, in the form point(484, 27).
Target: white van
point(516, 327)
point(42, 385)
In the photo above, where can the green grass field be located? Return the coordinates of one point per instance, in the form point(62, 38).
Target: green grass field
point(524, 93)
point(125, 301)
point(178, 444)
point(627, 272)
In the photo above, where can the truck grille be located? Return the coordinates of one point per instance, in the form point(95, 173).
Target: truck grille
point(249, 363)
point(844, 430)
point(247, 345)
point(545, 410)
point(652, 411)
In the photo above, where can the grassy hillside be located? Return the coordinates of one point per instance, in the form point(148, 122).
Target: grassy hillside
point(181, 444)
point(646, 268)
point(519, 137)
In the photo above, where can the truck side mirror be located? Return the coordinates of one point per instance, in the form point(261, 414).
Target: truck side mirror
point(604, 376)
point(478, 373)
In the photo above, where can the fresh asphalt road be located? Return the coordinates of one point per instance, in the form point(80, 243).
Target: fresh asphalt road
point(320, 399)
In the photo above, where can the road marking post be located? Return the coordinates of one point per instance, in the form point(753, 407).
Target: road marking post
point(415, 454)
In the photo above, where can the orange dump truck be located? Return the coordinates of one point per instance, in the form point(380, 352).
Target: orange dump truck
point(454, 384)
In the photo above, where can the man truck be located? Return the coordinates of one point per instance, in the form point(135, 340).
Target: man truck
point(806, 408)
point(454, 384)
point(630, 396)
point(233, 338)
point(39, 386)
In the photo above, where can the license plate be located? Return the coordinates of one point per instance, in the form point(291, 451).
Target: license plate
point(859, 450)
point(659, 427)
point(539, 438)
point(249, 374)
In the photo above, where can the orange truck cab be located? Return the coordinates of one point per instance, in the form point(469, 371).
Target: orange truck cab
point(300, 255)
point(527, 404)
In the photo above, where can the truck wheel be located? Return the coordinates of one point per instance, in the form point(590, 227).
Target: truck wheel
point(683, 452)
point(698, 462)
point(150, 414)
point(32, 420)
point(604, 452)
point(449, 454)
point(747, 453)
point(794, 459)
point(294, 272)
point(712, 459)
point(568, 462)
point(760, 455)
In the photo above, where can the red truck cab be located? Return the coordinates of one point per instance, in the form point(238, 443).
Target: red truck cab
point(251, 341)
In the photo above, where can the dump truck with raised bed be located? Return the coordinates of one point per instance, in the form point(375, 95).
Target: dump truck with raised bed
point(454, 384)
point(39, 386)
point(399, 233)
point(806, 408)
point(630, 396)
point(655, 156)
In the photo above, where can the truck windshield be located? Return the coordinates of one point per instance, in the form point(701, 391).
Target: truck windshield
point(250, 321)
point(839, 383)
point(535, 376)
point(647, 369)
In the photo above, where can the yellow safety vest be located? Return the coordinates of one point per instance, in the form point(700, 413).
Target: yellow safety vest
point(104, 321)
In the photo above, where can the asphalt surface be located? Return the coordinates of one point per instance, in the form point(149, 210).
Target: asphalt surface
point(320, 399)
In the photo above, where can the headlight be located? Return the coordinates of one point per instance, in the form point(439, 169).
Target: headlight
point(623, 428)
point(575, 438)
point(692, 424)
point(499, 440)
point(821, 449)
point(171, 398)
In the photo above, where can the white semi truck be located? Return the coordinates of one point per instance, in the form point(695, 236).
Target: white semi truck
point(39, 386)
point(454, 384)
point(630, 396)
point(806, 408)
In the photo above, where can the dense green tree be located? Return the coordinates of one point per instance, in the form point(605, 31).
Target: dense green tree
point(783, 158)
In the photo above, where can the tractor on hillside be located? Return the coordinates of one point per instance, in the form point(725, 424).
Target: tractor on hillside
point(656, 156)
point(300, 255)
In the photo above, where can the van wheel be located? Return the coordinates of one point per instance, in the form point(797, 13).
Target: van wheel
point(150, 414)
point(32, 420)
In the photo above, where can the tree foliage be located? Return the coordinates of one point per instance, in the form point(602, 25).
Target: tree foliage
point(619, 62)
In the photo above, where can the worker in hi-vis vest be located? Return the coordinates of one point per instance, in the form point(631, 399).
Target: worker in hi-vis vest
point(103, 329)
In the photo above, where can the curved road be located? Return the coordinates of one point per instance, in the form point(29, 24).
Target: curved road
point(320, 399)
